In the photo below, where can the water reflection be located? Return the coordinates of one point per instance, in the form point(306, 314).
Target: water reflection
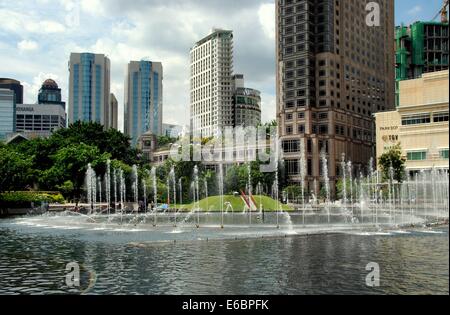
point(415, 263)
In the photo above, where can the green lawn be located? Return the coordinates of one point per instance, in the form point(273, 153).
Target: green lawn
point(213, 204)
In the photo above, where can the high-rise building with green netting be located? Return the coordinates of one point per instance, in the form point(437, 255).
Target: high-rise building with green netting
point(420, 48)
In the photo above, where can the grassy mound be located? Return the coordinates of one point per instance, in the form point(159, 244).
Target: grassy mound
point(213, 204)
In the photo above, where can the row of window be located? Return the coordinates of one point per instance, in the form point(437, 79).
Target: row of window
point(423, 155)
point(425, 118)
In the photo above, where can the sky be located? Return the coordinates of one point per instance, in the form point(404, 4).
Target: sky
point(37, 37)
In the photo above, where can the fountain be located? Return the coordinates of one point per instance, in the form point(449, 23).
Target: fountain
point(326, 179)
point(303, 174)
point(155, 195)
point(375, 206)
point(91, 186)
point(108, 186)
point(135, 183)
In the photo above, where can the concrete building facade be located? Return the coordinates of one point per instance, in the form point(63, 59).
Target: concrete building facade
point(39, 120)
point(211, 83)
point(333, 72)
point(420, 124)
point(89, 88)
point(113, 112)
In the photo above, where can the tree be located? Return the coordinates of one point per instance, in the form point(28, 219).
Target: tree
point(393, 158)
point(70, 164)
point(111, 141)
point(165, 140)
point(15, 170)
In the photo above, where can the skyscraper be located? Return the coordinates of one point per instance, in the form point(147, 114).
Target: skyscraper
point(89, 88)
point(50, 94)
point(7, 112)
point(143, 99)
point(420, 48)
point(333, 72)
point(211, 88)
point(13, 85)
point(113, 112)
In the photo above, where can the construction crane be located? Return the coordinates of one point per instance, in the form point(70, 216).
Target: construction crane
point(443, 12)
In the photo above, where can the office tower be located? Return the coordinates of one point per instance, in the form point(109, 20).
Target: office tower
point(39, 120)
point(50, 93)
point(246, 104)
point(172, 131)
point(143, 99)
point(14, 85)
point(113, 112)
point(7, 112)
point(211, 96)
point(334, 71)
point(89, 88)
point(420, 48)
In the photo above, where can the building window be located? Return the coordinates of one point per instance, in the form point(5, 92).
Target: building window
point(417, 156)
point(292, 167)
point(323, 129)
point(440, 117)
point(444, 154)
point(291, 146)
point(416, 119)
point(289, 130)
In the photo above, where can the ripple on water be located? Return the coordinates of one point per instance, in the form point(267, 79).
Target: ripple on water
point(318, 264)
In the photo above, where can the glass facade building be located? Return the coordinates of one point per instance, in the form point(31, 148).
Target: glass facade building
point(143, 97)
point(89, 88)
point(50, 93)
point(14, 85)
point(7, 112)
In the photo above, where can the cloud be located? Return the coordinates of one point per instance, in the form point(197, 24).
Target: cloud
point(20, 23)
point(157, 30)
point(415, 10)
point(27, 45)
point(266, 14)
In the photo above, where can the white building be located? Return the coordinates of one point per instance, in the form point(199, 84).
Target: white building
point(89, 88)
point(211, 83)
point(143, 99)
point(38, 120)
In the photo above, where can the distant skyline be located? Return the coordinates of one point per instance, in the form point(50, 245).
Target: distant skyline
point(37, 37)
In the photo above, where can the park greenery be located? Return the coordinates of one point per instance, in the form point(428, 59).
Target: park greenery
point(393, 158)
point(59, 163)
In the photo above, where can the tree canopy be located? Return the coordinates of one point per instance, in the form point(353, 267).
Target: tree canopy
point(59, 162)
point(393, 158)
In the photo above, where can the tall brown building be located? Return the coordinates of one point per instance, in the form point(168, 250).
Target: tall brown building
point(333, 73)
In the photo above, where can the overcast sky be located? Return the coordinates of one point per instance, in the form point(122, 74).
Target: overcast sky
point(37, 37)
